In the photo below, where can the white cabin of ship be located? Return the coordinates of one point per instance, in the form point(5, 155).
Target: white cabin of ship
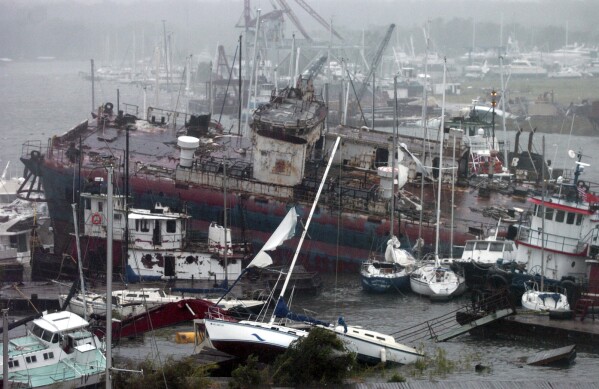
point(489, 251)
point(51, 338)
point(159, 228)
point(571, 231)
point(148, 229)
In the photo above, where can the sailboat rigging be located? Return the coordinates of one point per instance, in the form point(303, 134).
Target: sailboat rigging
point(433, 279)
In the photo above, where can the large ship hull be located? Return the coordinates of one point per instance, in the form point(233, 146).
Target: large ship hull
point(259, 177)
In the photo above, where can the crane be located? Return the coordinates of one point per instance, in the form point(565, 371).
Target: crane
point(286, 9)
point(318, 18)
point(277, 15)
point(375, 61)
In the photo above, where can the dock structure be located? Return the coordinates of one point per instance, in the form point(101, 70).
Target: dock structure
point(533, 325)
point(468, 318)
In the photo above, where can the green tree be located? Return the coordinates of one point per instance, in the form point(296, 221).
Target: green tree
point(320, 358)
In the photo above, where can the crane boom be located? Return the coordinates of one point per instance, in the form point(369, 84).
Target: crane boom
point(294, 19)
point(375, 61)
point(318, 18)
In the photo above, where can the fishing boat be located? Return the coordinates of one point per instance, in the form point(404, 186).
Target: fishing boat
point(480, 255)
point(558, 237)
point(167, 157)
point(58, 351)
point(159, 246)
point(24, 226)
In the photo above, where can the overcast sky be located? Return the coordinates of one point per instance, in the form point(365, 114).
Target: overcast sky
point(202, 24)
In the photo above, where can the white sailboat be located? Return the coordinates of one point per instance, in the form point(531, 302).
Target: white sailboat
point(434, 279)
point(392, 272)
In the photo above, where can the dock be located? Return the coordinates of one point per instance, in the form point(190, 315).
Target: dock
point(584, 332)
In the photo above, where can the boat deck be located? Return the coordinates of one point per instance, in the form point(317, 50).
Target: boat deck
point(63, 371)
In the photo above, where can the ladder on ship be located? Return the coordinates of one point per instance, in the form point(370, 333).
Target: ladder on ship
point(481, 312)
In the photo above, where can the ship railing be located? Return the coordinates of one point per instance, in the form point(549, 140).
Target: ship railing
point(551, 241)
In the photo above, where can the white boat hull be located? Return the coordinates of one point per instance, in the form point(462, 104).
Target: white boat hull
point(535, 300)
point(374, 347)
point(434, 281)
point(244, 338)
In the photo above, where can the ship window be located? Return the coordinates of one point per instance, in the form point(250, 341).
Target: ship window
point(469, 246)
point(49, 355)
point(560, 215)
point(549, 213)
point(88, 203)
point(117, 216)
point(536, 210)
point(100, 206)
point(570, 218)
point(37, 331)
point(578, 219)
point(14, 363)
point(496, 246)
point(31, 359)
point(171, 226)
point(144, 225)
point(509, 247)
point(47, 336)
point(482, 245)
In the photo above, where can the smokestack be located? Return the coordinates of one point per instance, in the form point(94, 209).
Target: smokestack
point(188, 145)
point(517, 144)
point(530, 140)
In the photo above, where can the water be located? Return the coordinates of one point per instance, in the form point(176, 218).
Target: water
point(42, 99)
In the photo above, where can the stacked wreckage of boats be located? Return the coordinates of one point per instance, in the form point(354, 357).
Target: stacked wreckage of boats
point(184, 174)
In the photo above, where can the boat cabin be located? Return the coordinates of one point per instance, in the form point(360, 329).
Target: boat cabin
point(489, 251)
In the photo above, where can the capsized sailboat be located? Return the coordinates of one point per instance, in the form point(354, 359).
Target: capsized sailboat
point(269, 339)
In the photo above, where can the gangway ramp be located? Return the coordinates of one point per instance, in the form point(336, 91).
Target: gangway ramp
point(481, 312)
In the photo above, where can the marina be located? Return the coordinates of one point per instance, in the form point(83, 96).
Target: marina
point(430, 242)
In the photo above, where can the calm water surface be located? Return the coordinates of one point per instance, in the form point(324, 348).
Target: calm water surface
point(42, 99)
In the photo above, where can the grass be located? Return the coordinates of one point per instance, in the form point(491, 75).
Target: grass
point(564, 90)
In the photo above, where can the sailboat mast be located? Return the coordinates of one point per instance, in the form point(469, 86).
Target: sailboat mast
point(391, 219)
point(109, 237)
point(425, 128)
point(440, 174)
point(299, 245)
point(544, 190)
point(79, 261)
point(225, 219)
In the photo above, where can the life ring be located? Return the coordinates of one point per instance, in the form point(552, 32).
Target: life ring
point(583, 185)
point(96, 218)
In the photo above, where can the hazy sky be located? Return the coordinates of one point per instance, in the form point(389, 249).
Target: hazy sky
point(202, 24)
